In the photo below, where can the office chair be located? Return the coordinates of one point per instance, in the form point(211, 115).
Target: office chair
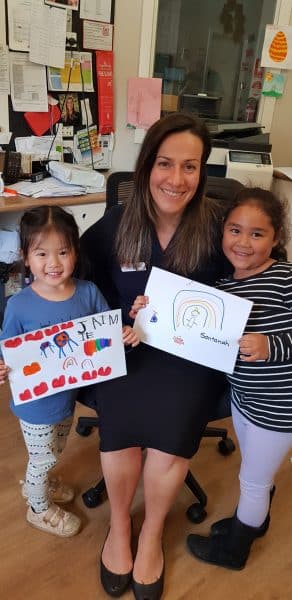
point(119, 188)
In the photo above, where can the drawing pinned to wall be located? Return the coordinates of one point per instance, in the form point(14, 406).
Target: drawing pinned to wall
point(192, 320)
point(277, 47)
point(273, 84)
point(66, 355)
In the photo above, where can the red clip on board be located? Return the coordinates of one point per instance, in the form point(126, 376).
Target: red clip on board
point(40, 122)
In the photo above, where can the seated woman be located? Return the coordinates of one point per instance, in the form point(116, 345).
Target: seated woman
point(164, 402)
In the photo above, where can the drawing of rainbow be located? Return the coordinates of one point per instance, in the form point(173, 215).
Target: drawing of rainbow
point(195, 308)
point(92, 346)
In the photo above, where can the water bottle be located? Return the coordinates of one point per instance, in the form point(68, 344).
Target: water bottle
point(1, 185)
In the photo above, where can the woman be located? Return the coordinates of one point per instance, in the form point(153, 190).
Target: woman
point(164, 402)
point(70, 116)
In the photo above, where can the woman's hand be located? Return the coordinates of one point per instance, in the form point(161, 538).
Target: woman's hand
point(253, 346)
point(130, 336)
point(139, 302)
point(4, 370)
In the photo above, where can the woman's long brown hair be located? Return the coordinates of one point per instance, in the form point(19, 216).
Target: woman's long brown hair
point(194, 240)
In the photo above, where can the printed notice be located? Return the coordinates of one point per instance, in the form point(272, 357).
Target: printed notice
point(97, 36)
point(47, 35)
point(19, 24)
point(4, 71)
point(28, 84)
point(96, 10)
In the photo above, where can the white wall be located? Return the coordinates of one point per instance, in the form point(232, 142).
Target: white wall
point(128, 15)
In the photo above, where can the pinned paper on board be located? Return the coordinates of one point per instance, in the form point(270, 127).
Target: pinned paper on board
point(66, 355)
point(277, 47)
point(192, 320)
point(273, 84)
point(144, 101)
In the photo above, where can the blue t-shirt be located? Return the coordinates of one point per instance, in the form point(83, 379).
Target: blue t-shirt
point(27, 311)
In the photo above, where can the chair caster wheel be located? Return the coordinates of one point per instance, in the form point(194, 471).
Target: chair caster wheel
point(196, 513)
point(83, 430)
point(92, 498)
point(225, 447)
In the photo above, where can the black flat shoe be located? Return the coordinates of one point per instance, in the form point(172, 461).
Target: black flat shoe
point(149, 591)
point(114, 584)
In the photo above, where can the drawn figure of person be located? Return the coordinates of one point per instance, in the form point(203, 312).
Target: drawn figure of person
point(49, 240)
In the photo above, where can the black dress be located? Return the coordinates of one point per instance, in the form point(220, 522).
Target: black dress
point(164, 402)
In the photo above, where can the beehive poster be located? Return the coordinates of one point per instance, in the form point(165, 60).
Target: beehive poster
point(64, 356)
point(277, 47)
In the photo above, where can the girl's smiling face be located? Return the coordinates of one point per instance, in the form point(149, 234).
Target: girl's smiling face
point(248, 240)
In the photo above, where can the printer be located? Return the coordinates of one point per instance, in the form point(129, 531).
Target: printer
point(242, 152)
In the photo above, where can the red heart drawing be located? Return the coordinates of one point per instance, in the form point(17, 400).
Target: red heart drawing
point(72, 379)
point(31, 337)
point(52, 330)
point(42, 388)
point(26, 395)
point(67, 325)
point(58, 381)
point(87, 375)
point(13, 343)
point(104, 372)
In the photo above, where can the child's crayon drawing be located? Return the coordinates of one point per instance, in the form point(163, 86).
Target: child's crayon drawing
point(192, 320)
point(52, 359)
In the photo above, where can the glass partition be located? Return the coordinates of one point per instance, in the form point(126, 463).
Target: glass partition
point(208, 54)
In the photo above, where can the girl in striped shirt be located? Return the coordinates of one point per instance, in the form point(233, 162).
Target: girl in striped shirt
point(254, 238)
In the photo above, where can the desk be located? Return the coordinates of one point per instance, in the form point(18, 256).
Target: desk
point(86, 209)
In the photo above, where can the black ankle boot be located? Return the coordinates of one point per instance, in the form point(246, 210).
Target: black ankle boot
point(222, 527)
point(230, 550)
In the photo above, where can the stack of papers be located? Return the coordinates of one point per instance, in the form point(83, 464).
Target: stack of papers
point(50, 186)
point(9, 246)
point(76, 175)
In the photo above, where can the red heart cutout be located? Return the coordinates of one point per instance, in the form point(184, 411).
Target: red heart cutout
point(42, 388)
point(67, 325)
point(31, 337)
point(87, 375)
point(104, 372)
point(26, 395)
point(52, 330)
point(13, 343)
point(58, 381)
point(72, 379)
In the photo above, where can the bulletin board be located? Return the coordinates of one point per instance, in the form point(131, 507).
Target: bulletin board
point(18, 124)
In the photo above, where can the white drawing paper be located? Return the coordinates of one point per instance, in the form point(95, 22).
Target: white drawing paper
point(64, 356)
point(192, 320)
point(277, 47)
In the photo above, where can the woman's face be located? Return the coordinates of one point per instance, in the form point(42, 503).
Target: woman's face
point(175, 174)
point(70, 104)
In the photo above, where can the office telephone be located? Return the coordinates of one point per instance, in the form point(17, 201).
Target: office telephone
point(10, 166)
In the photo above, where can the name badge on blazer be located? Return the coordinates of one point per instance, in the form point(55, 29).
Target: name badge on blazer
point(128, 268)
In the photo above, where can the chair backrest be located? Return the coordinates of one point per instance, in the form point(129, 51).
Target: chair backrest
point(120, 186)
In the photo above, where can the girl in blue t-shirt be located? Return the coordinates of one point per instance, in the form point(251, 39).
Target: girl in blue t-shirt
point(49, 241)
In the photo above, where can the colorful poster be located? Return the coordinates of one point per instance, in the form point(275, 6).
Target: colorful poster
point(76, 76)
point(104, 74)
point(192, 320)
point(66, 355)
point(277, 47)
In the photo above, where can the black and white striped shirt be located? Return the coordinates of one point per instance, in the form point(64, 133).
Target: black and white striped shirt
point(262, 390)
